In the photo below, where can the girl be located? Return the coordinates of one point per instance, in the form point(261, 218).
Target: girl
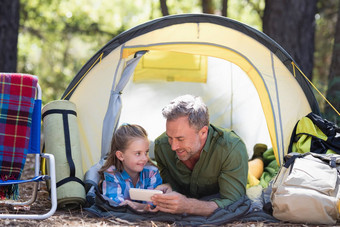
point(128, 166)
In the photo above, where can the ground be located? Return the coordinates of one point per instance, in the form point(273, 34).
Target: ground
point(78, 217)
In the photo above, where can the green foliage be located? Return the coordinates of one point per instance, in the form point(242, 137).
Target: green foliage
point(334, 98)
point(247, 11)
point(324, 38)
point(57, 37)
point(184, 6)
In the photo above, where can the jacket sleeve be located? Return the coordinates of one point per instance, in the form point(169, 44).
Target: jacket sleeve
point(233, 177)
point(112, 188)
point(154, 178)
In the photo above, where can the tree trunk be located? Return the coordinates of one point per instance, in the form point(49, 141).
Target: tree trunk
point(333, 91)
point(291, 24)
point(164, 8)
point(208, 6)
point(9, 29)
point(225, 8)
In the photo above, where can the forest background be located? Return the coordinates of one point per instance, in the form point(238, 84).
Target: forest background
point(53, 39)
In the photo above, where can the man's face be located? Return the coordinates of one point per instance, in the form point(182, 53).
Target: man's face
point(185, 140)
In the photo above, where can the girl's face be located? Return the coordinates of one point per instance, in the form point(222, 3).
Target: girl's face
point(135, 156)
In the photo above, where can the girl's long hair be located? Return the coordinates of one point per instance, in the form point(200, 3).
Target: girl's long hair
point(120, 141)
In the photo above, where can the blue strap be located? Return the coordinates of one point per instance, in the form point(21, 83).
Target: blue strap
point(35, 179)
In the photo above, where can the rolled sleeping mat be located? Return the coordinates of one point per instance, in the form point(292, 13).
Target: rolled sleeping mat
point(61, 136)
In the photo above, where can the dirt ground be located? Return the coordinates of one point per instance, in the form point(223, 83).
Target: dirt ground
point(79, 217)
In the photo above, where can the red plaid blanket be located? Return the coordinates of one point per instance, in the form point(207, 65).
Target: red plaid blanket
point(17, 94)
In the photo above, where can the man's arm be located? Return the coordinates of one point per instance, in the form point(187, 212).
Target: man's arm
point(179, 204)
point(233, 176)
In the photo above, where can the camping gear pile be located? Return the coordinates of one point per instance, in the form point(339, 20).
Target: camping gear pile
point(263, 167)
point(313, 133)
point(307, 187)
point(249, 83)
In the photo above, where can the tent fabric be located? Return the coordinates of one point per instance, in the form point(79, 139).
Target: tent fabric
point(182, 67)
point(252, 84)
point(115, 103)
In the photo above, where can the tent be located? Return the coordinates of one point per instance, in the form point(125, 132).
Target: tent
point(249, 83)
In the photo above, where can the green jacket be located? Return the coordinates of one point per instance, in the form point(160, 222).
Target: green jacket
point(222, 167)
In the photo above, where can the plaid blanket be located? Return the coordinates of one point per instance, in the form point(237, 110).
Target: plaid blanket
point(17, 94)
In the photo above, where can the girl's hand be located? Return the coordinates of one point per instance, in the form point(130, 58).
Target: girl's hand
point(137, 206)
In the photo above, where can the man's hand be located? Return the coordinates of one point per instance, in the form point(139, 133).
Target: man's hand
point(165, 188)
point(171, 202)
point(176, 203)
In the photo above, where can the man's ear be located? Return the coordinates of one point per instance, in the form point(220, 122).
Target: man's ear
point(119, 155)
point(203, 131)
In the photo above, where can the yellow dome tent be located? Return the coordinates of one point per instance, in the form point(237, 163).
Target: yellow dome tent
point(248, 81)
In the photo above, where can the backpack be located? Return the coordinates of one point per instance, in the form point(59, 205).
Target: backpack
point(314, 134)
point(306, 189)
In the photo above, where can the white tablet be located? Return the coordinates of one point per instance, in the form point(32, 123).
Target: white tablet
point(143, 194)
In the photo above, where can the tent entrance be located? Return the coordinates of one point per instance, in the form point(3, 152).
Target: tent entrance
point(257, 77)
point(230, 95)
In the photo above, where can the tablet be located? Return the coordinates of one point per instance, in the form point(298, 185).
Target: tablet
point(143, 194)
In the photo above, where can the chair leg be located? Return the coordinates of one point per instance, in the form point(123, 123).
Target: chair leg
point(51, 160)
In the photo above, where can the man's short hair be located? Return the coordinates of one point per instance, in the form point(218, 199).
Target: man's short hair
point(188, 105)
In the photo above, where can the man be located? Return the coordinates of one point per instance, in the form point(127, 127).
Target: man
point(204, 167)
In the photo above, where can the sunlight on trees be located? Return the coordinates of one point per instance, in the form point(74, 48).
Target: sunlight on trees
point(57, 37)
point(250, 14)
point(324, 39)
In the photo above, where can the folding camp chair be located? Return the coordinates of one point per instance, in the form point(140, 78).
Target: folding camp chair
point(20, 125)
